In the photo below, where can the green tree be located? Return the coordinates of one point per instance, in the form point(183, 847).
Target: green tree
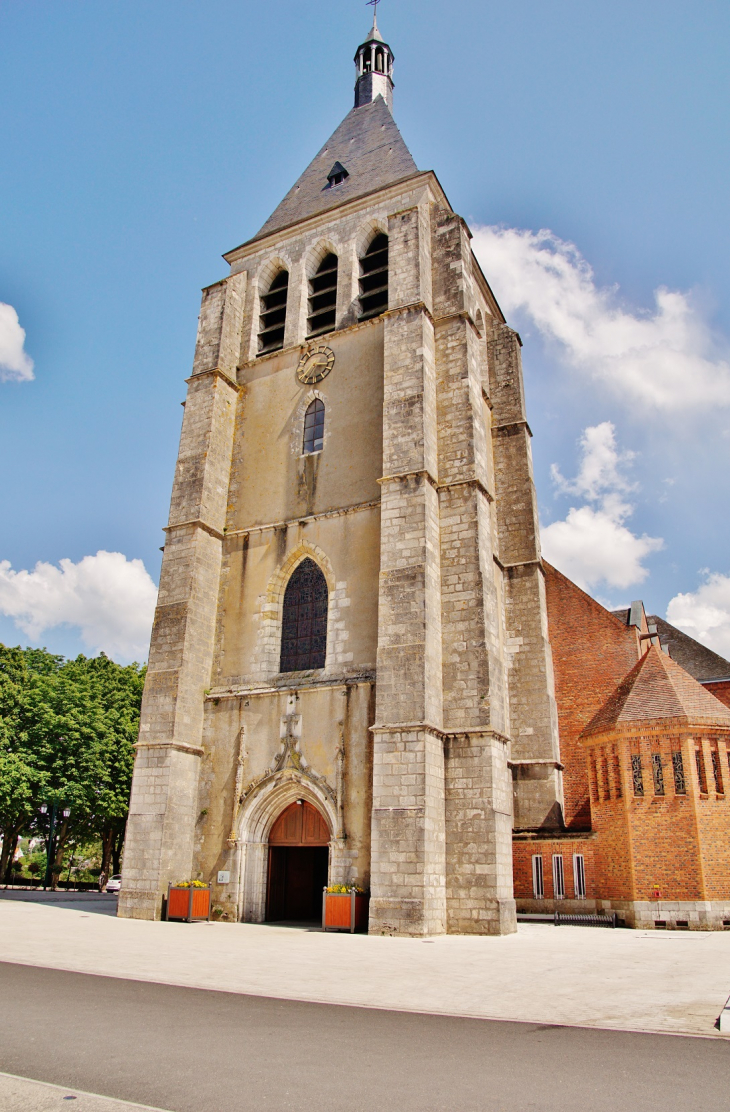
point(67, 731)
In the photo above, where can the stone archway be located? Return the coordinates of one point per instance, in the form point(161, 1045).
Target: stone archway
point(262, 806)
point(298, 864)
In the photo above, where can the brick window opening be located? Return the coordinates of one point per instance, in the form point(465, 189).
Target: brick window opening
point(579, 876)
point(701, 777)
point(594, 780)
point(304, 620)
point(538, 882)
point(273, 314)
point(605, 777)
point(717, 771)
point(314, 427)
point(374, 279)
point(637, 774)
point(657, 770)
point(617, 775)
point(558, 877)
point(680, 784)
point(322, 303)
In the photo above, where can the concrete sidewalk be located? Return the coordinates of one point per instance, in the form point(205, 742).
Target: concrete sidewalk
point(21, 1094)
point(675, 982)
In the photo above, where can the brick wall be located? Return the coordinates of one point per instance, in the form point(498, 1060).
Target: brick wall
point(524, 849)
point(592, 652)
point(720, 689)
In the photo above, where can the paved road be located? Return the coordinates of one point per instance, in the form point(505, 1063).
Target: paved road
point(190, 1050)
point(98, 903)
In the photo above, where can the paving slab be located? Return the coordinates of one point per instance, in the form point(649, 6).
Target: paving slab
point(673, 982)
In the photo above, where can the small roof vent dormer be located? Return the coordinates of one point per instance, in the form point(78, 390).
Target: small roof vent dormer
point(337, 174)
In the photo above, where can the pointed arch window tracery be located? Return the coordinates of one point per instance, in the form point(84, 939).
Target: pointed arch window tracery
point(304, 619)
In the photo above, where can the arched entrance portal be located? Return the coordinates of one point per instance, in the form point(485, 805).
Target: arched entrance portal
point(298, 864)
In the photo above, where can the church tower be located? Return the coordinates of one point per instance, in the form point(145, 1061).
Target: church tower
point(350, 679)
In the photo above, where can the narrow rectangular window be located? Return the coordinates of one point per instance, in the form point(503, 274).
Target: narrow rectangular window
point(579, 876)
point(701, 777)
point(558, 877)
point(637, 774)
point(538, 884)
point(658, 773)
point(606, 780)
point(717, 771)
point(617, 775)
point(680, 785)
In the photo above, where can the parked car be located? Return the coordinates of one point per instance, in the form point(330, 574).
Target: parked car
point(114, 883)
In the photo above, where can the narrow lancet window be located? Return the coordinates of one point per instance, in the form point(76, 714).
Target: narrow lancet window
point(304, 620)
point(314, 427)
point(374, 278)
point(273, 314)
point(323, 297)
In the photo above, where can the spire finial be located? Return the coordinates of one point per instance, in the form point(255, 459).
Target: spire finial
point(374, 5)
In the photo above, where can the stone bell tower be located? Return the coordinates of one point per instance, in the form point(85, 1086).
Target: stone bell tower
point(352, 607)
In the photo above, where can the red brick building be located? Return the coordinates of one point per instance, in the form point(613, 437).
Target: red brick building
point(645, 750)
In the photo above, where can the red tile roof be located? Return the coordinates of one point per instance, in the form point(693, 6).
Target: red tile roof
point(658, 688)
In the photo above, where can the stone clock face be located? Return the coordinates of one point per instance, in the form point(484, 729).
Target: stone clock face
point(315, 364)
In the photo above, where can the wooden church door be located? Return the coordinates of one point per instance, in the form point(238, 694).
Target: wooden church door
point(298, 864)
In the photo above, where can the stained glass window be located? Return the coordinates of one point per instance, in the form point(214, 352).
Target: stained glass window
point(637, 774)
point(314, 427)
point(680, 785)
point(658, 773)
point(304, 620)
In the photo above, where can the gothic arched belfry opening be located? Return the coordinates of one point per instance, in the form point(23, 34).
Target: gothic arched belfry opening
point(351, 609)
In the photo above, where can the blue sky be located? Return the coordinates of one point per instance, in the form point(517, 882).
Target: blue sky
point(140, 141)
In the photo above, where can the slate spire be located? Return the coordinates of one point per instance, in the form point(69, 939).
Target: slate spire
point(365, 153)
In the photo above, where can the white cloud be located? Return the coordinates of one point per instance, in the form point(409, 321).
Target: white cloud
point(665, 360)
point(593, 544)
point(705, 613)
point(109, 598)
point(15, 364)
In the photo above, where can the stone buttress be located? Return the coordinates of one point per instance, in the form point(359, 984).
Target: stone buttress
point(163, 807)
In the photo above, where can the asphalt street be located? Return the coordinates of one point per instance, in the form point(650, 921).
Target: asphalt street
point(98, 903)
point(191, 1050)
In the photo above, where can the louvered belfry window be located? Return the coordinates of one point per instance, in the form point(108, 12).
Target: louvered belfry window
point(374, 279)
point(323, 297)
point(304, 620)
point(314, 427)
point(273, 314)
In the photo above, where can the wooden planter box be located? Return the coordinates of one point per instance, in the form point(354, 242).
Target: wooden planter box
point(192, 905)
point(345, 911)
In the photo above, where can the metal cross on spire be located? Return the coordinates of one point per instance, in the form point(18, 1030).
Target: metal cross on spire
point(374, 5)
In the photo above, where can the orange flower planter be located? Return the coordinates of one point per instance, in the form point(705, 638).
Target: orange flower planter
point(192, 905)
point(345, 911)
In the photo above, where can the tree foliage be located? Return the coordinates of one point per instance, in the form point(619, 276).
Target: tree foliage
point(67, 731)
